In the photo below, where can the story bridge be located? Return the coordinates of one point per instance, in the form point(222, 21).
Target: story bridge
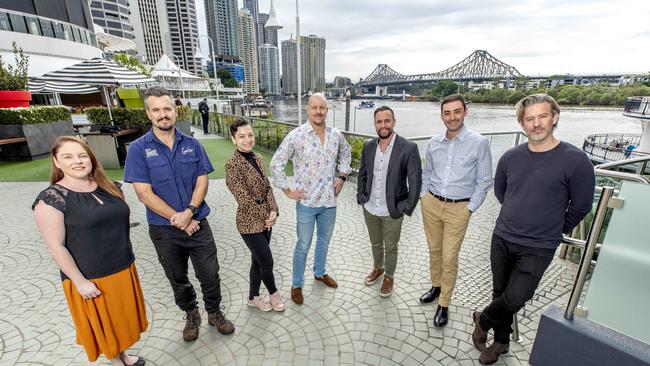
point(478, 66)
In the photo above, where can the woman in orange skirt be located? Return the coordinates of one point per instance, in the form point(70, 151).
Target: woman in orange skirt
point(84, 221)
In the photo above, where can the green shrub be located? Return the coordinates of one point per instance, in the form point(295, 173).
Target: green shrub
point(14, 78)
point(34, 115)
point(123, 117)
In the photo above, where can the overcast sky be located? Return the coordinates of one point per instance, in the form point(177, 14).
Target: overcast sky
point(538, 37)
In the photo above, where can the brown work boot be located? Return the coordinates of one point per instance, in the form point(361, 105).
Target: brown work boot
point(223, 325)
point(191, 330)
point(374, 276)
point(386, 287)
point(327, 280)
point(479, 337)
point(491, 354)
point(296, 295)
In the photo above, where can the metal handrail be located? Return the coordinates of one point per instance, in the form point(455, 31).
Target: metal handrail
point(588, 253)
point(643, 160)
point(621, 175)
point(494, 133)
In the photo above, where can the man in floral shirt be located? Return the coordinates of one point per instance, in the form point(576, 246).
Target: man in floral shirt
point(317, 151)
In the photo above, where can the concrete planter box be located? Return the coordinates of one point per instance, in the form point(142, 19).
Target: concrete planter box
point(40, 138)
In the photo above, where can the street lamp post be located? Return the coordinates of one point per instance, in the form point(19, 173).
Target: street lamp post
point(180, 75)
point(198, 55)
point(299, 76)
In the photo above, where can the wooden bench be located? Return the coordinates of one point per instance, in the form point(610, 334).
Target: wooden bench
point(12, 140)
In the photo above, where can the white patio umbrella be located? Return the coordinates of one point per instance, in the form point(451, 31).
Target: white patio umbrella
point(98, 72)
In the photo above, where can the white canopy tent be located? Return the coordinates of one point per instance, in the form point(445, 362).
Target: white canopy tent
point(173, 77)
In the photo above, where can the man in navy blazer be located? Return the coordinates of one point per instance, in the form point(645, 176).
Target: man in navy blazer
point(390, 178)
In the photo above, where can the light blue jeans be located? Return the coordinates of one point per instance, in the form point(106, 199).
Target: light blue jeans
point(306, 217)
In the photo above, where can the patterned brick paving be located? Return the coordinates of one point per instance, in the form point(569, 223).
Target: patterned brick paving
point(351, 325)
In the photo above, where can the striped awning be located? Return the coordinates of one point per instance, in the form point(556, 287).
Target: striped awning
point(43, 87)
point(97, 72)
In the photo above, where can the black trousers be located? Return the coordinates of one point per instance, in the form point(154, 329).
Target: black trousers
point(516, 272)
point(174, 247)
point(261, 262)
point(206, 119)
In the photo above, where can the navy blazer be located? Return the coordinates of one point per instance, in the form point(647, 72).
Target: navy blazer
point(403, 179)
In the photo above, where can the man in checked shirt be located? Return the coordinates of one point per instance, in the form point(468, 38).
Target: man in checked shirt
point(456, 178)
point(317, 152)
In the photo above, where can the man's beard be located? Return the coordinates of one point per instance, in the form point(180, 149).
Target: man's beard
point(384, 136)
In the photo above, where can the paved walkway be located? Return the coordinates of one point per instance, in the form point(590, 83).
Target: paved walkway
point(351, 325)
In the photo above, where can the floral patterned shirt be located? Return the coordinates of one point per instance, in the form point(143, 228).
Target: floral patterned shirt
point(314, 164)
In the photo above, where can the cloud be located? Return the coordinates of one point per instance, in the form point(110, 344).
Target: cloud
point(424, 36)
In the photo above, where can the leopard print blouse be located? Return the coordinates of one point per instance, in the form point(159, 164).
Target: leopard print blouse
point(252, 192)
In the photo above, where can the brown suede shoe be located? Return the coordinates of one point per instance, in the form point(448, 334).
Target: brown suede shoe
point(327, 280)
point(374, 276)
point(479, 337)
point(491, 354)
point(191, 330)
point(223, 325)
point(386, 287)
point(296, 295)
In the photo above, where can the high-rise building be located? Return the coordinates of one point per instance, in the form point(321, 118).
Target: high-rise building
point(342, 82)
point(289, 67)
point(113, 16)
point(271, 26)
point(184, 34)
point(248, 53)
point(258, 18)
point(269, 69)
point(151, 29)
point(313, 63)
point(222, 17)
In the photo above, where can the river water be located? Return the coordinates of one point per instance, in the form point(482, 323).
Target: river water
point(423, 118)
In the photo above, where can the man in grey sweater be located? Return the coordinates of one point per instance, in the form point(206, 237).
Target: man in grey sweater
point(546, 188)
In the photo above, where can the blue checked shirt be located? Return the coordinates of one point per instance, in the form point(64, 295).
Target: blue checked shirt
point(458, 168)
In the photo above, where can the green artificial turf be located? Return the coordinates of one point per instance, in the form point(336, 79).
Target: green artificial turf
point(219, 150)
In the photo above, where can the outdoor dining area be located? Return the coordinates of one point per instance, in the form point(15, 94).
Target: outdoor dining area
point(110, 96)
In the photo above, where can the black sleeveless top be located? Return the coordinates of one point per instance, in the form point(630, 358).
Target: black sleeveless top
point(96, 234)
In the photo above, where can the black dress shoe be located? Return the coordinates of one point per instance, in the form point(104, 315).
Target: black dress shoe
point(441, 317)
point(430, 295)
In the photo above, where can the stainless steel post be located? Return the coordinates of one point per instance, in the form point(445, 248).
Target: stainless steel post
point(588, 252)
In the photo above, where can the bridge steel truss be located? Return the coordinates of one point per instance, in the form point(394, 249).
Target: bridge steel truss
point(480, 65)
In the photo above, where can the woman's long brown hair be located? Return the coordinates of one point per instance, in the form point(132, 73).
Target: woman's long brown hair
point(97, 172)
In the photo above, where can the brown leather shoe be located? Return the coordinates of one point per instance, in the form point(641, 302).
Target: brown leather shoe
point(192, 324)
point(374, 276)
point(223, 325)
point(296, 295)
point(479, 337)
point(327, 280)
point(386, 287)
point(491, 354)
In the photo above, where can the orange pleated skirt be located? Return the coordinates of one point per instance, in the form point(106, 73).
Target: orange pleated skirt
point(113, 321)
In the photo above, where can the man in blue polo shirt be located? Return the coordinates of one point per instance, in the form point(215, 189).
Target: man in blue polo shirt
point(169, 172)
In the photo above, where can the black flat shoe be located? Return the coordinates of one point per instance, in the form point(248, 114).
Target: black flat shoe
point(139, 362)
point(430, 295)
point(441, 317)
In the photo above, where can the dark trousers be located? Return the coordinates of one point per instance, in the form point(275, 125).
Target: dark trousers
point(261, 262)
point(516, 272)
point(174, 247)
point(206, 119)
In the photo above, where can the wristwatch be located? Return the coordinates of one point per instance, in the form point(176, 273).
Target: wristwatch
point(343, 177)
point(194, 209)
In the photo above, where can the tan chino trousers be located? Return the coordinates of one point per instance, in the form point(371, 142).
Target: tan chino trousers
point(445, 224)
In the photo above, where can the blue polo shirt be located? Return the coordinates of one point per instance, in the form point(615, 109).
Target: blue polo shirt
point(171, 173)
